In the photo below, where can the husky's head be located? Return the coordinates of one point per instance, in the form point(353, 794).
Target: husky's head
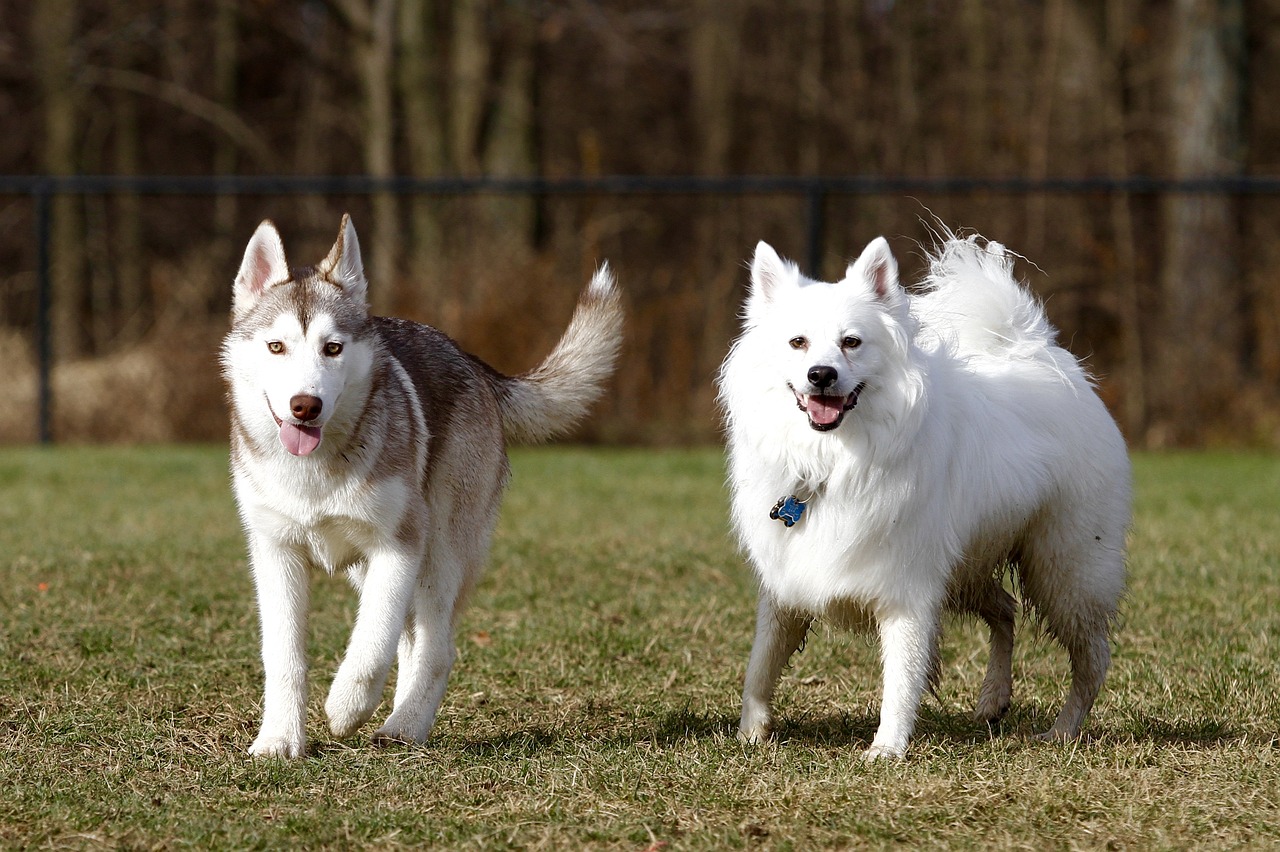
point(826, 343)
point(299, 339)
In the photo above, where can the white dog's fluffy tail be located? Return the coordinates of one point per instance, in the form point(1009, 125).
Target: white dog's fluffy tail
point(551, 398)
point(972, 300)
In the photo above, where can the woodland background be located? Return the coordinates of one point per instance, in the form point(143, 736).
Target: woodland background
point(1174, 298)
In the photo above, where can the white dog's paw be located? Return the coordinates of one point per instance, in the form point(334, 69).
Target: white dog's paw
point(882, 752)
point(993, 705)
point(267, 745)
point(350, 704)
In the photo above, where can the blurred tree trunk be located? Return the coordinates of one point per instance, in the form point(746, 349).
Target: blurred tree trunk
point(372, 23)
point(1041, 122)
point(1133, 413)
point(509, 146)
point(125, 226)
point(468, 89)
point(419, 62)
point(53, 28)
point(1200, 290)
point(225, 41)
point(714, 53)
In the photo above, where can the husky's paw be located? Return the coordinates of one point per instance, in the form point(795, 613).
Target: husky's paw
point(286, 747)
point(756, 724)
point(882, 752)
point(350, 704)
point(402, 731)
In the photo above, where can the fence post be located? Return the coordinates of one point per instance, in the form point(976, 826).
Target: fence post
point(816, 197)
point(41, 196)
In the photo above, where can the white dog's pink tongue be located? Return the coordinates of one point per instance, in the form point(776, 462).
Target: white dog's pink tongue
point(824, 410)
point(299, 440)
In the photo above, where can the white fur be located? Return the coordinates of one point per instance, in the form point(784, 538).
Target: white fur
point(976, 440)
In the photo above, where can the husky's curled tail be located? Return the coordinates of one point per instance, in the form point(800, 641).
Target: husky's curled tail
point(551, 398)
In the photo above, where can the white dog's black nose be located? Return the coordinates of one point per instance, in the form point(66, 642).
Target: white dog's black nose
point(822, 376)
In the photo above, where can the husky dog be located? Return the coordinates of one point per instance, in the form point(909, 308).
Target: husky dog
point(376, 447)
point(912, 449)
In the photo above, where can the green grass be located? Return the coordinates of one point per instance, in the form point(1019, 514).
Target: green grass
point(595, 695)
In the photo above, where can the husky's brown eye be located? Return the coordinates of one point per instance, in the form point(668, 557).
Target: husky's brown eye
point(333, 348)
point(851, 342)
point(799, 343)
point(275, 347)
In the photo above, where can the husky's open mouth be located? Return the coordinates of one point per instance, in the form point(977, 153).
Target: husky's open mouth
point(826, 412)
point(298, 438)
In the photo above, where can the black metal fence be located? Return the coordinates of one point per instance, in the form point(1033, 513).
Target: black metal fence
point(814, 191)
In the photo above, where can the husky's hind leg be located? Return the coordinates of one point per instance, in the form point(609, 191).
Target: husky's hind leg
point(779, 632)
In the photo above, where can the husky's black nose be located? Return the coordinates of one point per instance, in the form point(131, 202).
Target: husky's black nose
point(305, 407)
point(822, 377)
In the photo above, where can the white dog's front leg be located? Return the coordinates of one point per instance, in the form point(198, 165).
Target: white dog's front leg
point(384, 603)
point(906, 642)
point(281, 582)
point(779, 633)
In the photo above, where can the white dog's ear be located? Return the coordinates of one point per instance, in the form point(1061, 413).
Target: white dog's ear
point(769, 273)
point(343, 266)
point(264, 265)
point(877, 266)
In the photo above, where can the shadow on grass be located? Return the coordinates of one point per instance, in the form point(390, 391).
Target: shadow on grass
point(844, 729)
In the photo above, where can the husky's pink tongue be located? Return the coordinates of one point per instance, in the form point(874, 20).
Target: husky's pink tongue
point(299, 440)
point(824, 410)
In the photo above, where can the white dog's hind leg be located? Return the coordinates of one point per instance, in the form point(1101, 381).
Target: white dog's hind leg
point(384, 601)
point(997, 610)
point(422, 678)
point(906, 645)
point(779, 633)
point(281, 583)
point(1075, 580)
point(1090, 660)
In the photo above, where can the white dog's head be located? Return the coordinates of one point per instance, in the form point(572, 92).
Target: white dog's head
point(299, 338)
point(828, 343)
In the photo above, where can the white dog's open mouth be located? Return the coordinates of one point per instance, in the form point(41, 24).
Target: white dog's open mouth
point(826, 412)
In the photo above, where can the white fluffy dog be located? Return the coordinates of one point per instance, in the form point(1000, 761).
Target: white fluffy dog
point(892, 455)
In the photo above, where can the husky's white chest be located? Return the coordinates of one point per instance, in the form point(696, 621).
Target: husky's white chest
point(333, 522)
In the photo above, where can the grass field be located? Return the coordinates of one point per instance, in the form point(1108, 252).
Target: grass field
point(595, 696)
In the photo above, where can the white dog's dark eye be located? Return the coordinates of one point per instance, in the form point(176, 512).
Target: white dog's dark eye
point(851, 342)
point(798, 343)
point(333, 348)
point(275, 347)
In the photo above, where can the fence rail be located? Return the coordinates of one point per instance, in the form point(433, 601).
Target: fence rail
point(813, 190)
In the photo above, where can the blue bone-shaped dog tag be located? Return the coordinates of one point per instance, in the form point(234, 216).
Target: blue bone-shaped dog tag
point(789, 510)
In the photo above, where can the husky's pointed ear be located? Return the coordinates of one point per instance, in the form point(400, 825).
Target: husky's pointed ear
point(264, 264)
point(343, 266)
point(769, 273)
point(878, 268)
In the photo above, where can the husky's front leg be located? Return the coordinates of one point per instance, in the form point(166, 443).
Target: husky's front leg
point(779, 633)
point(280, 579)
point(384, 603)
point(906, 646)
